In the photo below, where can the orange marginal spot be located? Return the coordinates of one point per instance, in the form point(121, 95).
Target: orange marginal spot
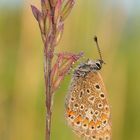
point(70, 113)
point(98, 123)
point(103, 117)
point(78, 119)
point(86, 121)
point(92, 123)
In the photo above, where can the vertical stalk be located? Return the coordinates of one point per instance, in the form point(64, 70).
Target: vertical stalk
point(49, 36)
point(48, 60)
point(47, 73)
point(48, 100)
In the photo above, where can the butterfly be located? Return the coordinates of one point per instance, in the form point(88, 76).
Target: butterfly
point(87, 109)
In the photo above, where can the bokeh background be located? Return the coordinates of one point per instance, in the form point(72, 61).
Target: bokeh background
point(22, 100)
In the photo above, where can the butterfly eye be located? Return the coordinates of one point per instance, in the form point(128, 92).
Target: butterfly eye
point(98, 65)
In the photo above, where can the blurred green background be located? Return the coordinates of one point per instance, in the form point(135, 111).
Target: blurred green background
point(22, 100)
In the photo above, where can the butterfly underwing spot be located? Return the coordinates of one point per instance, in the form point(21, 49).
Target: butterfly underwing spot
point(98, 125)
point(96, 113)
point(107, 137)
point(90, 113)
point(81, 107)
point(85, 124)
point(72, 99)
point(97, 86)
point(92, 125)
point(104, 119)
point(93, 137)
point(100, 138)
point(102, 95)
point(100, 105)
point(71, 116)
point(104, 122)
point(107, 110)
point(75, 106)
point(81, 94)
point(106, 107)
point(78, 121)
point(91, 99)
point(88, 91)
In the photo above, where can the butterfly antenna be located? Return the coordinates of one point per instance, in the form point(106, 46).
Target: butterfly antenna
point(98, 48)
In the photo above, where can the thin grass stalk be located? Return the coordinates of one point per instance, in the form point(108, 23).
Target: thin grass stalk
point(49, 34)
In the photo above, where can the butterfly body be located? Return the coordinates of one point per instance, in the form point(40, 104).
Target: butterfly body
point(87, 107)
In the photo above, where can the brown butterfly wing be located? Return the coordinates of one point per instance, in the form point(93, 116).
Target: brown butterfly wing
point(87, 107)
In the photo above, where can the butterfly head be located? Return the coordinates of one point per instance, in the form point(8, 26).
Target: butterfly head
point(90, 65)
point(95, 65)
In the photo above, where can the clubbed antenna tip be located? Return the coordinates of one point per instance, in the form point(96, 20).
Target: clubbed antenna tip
point(98, 48)
point(95, 39)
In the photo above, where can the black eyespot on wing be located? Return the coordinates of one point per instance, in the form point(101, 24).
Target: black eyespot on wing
point(78, 122)
point(100, 138)
point(88, 90)
point(102, 95)
point(97, 86)
point(104, 122)
point(84, 125)
point(76, 105)
point(72, 99)
point(81, 94)
point(81, 107)
point(93, 137)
